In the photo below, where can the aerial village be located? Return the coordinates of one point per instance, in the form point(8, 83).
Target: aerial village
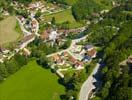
point(74, 57)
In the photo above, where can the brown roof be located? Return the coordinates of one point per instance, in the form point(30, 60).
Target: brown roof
point(56, 57)
point(44, 35)
point(78, 63)
point(91, 53)
point(72, 59)
point(66, 53)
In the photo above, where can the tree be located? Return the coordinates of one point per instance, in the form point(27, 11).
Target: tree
point(71, 95)
point(12, 66)
point(53, 21)
point(43, 61)
point(66, 44)
point(3, 71)
point(21, 59)
point(38, 14)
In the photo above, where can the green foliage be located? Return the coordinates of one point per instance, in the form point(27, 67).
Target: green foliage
point(117, 51)
point(24, 13)
point(53, 21)
point(88, 7)
point(38, 14)
point(43, 61)
point(114, 34)
point(31, 81)
point(11, 66)
point(66, 44)
point(25, 1)
point(21, 59)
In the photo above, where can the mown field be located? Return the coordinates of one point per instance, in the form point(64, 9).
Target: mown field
point(32, 82)
point(8, 32)
point(64, 16)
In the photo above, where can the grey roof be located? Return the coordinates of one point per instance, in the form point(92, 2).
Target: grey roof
point(88, 46)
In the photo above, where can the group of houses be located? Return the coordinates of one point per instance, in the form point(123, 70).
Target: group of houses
point(22, 44)
point(43, 7)
point(29, 24)
point(21, 48)
point(52, 36)
point(65, 59)
point(75, 57)
point(58, 36)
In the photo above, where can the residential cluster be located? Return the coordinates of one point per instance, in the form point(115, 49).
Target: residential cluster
point(74, 57)
point(21, 46)
point(58, 36)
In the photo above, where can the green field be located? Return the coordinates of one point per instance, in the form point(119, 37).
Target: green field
point(32, 82)
point(60, 17)
point(64, 16)
point(8, 32)
point(71, 2)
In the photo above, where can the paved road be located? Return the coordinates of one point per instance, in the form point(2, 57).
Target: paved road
point(27, 32)
point(22, 28)
point(50, 13)
point(71, 46)
point(88, 85)
point(37, 27)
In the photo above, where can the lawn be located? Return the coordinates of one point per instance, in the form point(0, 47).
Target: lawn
point(32, 82)
point(64, 16)
point(8, 32)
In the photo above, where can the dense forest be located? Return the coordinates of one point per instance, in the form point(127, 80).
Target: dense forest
point(11, 66)
point(114, 35)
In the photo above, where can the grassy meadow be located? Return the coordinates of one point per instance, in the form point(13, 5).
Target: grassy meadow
point(32, 82)
point(64, 16)
point(8, 32)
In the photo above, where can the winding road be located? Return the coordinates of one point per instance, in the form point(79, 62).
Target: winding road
point(71, 46)
point(88, 85)
point(22, 27)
